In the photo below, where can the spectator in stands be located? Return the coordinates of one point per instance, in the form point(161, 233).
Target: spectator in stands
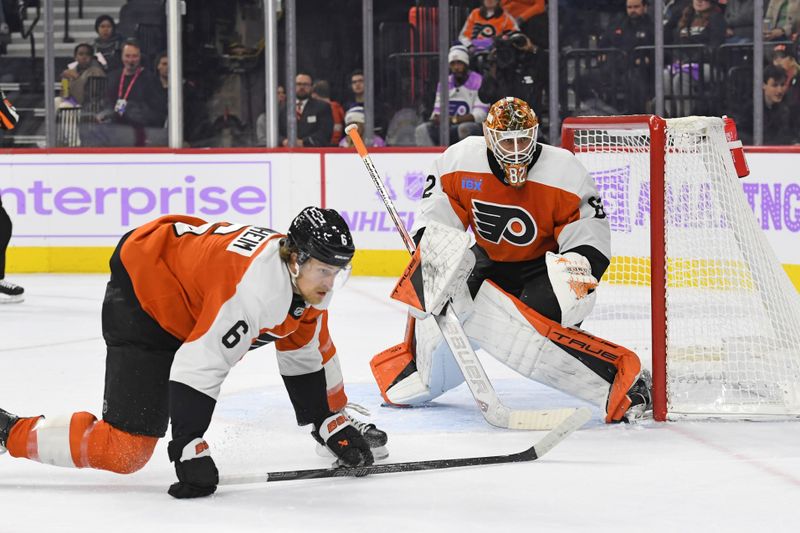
point(281, 90)
point(159, 136)
point(631, 29)
point(531, 17)
point(261, 121)
point(485, 23)
point(357, 88)
point(381, 109)
point(673, 10)
point(777, 115)
point(739, 22)
point(784, 56)
point(780, 20)
point(132, 103)
point(78, 72)
point(466, 109)
point(162, 82)
point(314, 118)
point(322, 91)
point(162, 70)
point(355, 115)
point(108, 44)
point(689, 74)
point(513, 67)
point(701, 22)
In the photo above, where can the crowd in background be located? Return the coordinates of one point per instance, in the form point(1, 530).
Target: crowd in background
point(500, 51)
point(498, 48)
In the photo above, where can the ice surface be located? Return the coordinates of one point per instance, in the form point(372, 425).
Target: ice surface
point(683, 476)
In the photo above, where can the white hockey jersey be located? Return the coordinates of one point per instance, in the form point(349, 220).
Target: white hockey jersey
point(222, 289)
point(558, 209)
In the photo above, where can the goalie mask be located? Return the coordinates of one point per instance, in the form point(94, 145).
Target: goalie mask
point(510, 130)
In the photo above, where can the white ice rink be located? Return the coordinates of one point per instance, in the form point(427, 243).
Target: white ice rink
point(706, 477)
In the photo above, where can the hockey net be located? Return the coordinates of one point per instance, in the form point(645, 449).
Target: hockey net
point(710, 307)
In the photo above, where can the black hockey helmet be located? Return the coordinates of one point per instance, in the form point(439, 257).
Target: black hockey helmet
point(322, 234)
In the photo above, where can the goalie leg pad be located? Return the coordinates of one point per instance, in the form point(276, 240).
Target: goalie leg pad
point(410, 376)
point(392, 369)
point(538, 348)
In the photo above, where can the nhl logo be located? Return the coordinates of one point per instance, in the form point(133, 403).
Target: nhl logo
point(389, 190)
point(414, 183)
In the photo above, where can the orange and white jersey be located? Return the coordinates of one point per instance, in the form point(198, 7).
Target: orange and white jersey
point(480, 26)
point(222, 289)
point(558, 209)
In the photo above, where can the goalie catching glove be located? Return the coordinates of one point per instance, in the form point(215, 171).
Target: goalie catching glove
point(573, 284)
point(344, 441)
point(197, 473)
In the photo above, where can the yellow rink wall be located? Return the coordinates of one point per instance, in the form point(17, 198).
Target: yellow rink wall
point(366, 263)
point(69, 208)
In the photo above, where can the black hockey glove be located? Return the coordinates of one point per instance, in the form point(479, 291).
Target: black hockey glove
point(344, 440)
point(481, 270)
point(197, 473)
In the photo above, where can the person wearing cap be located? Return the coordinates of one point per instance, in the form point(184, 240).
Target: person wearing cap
point(466, 110)
point(355, 115)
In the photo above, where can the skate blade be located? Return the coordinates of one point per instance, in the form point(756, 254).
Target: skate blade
point(380, 453)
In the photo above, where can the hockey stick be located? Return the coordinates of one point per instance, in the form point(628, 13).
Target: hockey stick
point(478, 382)
point(542, 446)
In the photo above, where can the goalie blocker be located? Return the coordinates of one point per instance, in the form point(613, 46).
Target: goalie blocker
point(568, 359)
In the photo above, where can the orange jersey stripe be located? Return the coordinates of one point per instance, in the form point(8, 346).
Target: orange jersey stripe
point(300, 332)
point(172, 283)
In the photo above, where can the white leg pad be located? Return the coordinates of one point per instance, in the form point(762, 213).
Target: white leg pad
point(409, 391)
point(501, 329)
point(437, 370)
point(52, 438)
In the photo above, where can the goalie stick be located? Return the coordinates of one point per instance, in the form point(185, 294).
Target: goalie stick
point(542, 446)
point(478, 382)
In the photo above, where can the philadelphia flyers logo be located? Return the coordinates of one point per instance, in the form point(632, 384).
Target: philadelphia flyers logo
point(496, 222)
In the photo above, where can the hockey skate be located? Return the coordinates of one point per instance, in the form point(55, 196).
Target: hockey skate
point(375, 437)
point(641, 398)
point(7, 421)
point(10, 293)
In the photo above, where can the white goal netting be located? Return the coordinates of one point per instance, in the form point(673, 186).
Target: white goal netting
point(732, 314)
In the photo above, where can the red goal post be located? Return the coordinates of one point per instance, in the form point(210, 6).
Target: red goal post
point(692, 267)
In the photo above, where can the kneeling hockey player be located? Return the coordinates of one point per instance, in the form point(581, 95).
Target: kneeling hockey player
point(186, 301)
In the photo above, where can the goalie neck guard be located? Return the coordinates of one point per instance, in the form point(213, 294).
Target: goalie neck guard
point(322, 234)
point(510, 130)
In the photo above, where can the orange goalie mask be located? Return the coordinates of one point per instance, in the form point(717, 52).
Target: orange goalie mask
point(510, 130)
